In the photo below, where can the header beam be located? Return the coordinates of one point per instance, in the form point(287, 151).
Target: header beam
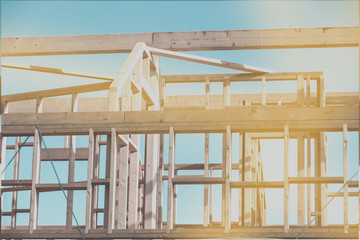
point(182, 41)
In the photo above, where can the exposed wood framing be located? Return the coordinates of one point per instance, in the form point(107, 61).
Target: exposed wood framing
point(137, 104)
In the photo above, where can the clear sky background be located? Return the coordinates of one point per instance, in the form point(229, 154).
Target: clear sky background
point(340, 67)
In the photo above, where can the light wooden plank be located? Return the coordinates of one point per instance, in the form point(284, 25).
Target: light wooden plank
point(308, 174)
point(241, 191)
point(151, 162)
point(316, 180)
point(256, 184)
point(206, 159)
point(56, 92)
point(259, 232)
point(106, 181)
point(345, 173)
point(286, 179)
point(300, 91)
point(206, 187)
point(207, 94)
point(321, 95)
point(223, 174)
point(211, 200)
point(317, 165)
point(341, 194)
point(247, 116)
point(63, 154)
point(323, 165)
point(2, 167)
point(35, 180)
point(15, 177)
point(49, 187)
point(183, 41)
point(300, 187)
point(96, 169)
point(71, 178)
point(253, 178)
point(263, 90)
point(123, 159)
point(112, 180)
point(100, 104)
point(247, 177)
point(162, 90)
point(197, 180)
point(89, 188)
point(226, 93)
point(207, 61)
point(16, 182)
point(175, 198)
point(228, 179)
point(133, 190)
point(159, 198)
point(238, 77)
point(170, 196)
point(57, 71)
point(71, 166)
point(308, 91)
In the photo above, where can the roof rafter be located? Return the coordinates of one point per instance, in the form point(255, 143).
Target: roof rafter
point(207, 61)
point(57, 71)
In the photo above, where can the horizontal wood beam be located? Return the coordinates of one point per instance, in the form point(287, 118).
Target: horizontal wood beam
point(247, 119)
point(13, 189)
point(323, 180)
point(233, 77)
point(333, 232)
point(197, 180)
point(13, 183)
point(266, 184)
point(100, 104)
point(57, 71)
point(63, 154)
point(199, 101)
point(341, 194)
point(47, 187)
point(100, 181)
point(182, 41)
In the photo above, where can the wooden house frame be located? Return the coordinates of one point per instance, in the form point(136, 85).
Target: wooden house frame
point(137, 104)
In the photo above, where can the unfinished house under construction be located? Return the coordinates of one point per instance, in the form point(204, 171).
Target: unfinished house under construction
point(133, 188)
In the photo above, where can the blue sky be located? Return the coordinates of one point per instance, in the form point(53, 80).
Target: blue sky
point(340, 67)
